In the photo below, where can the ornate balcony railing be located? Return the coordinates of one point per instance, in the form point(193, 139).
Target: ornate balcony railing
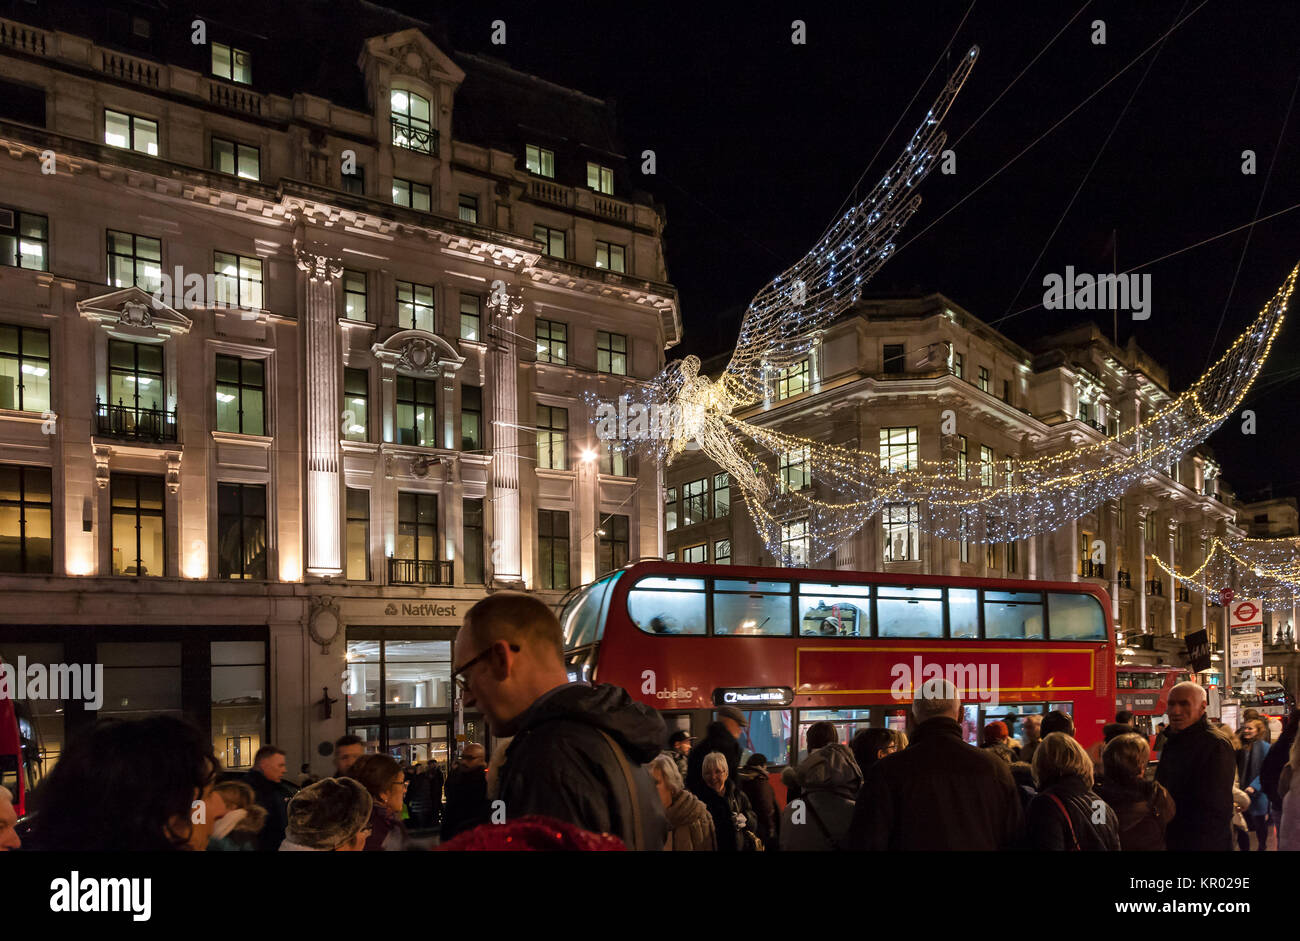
point(129, 68)
point(1156, 587)
point(409, 137)
point(22, 37)
point(1183, 593)
point(1125, 579)
point(550, 192)
point(236, 98)
point(418, 572)
point(1091, 569)
point(136, 424)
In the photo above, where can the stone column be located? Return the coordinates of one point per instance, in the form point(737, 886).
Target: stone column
point(503, 407)
point(324, 500)
point(1171, 527)
point(1113, 539)
point(1141, 514)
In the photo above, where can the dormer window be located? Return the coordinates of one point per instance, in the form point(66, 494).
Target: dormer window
point(540, 161)
point(412, 129)
point(234, 65)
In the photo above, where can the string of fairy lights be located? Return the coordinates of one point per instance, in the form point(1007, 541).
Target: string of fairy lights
point(1267, 570)
point(808, 497)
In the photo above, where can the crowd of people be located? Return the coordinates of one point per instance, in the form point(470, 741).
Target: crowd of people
point(587, 767)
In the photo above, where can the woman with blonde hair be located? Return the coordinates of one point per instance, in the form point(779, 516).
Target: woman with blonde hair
point(238, 827)
point(1061, 816)
point(690, 825)
point(1250, 762)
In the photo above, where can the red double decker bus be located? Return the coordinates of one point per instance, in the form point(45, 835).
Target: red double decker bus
point(796, 646)
point(1144, 691)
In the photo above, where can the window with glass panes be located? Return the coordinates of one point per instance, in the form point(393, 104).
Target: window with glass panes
point(416, 412)
point(963, 457)
point(721, 495)
point(963, 544)
point(235, 65)
point(134, 260)
point(135, 376)
point(553, 550)
point(1006, 391)
point(26, 519)
point(356, 404)
point(611, 353)
point(698, 553)
point(357, 535)
point(239, 281)
point(417, 527)
point(614, 461)
point(410, 113)
point(600, 179)
point(552, 341)
point(139, 534)
point(241, 531)
point(795, 541)
point(984, 379)
point(355, 181)
point(411, 194)
point(551, 239)
point(471, 418)
point(902, 523)
point(611, 256)
point(986, 466)
point(415, 306)
point(236, 159)
point(614, 544)
point(695, 501)
point(898, 449)
point(355, 296)
point(472, 530)
point(24, 368)
point(792, 381)
point(539, 160)
point(552, 437)
point(27, 244)
point(793, 470)
point(241, 395)
point(471, 317)
point(670, 509)
point(894, 358)
point(130, 132)
point(467, 208)
point(959, 365)
point(722, 552)
point(1012, 555)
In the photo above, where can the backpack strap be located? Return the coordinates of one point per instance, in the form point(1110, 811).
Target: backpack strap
point(817, 819)
point(1068, 822)
point(632, 795)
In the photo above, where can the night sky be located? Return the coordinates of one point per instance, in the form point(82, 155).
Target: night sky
point(759, 142)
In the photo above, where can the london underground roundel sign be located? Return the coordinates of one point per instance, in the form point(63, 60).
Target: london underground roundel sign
point(1245, 613)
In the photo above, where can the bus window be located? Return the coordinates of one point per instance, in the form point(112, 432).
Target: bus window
point(1076, 617)
point(750, 607)
point(909, 612)
point(834, 611)
point(664, 605)
point(1013, 615)
point(768, 735)
point(581, 618)
point(963, 613)
point(847, 722)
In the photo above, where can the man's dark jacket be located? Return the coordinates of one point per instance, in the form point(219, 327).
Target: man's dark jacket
point(467, 803)
point(716, 738)
point(757, 787)
point(274, 799)
point(1198, 767)
point(939, 793)
point(559, 765)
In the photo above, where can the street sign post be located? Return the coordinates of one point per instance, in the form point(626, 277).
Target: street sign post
point(1246, 633)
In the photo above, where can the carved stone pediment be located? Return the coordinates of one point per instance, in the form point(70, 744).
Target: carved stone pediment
point(411, 52)
point(415, 351)
point(132, 314)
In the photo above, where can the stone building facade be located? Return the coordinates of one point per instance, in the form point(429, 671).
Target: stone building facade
point(292, 364)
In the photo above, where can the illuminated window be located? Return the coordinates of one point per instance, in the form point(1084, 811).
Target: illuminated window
point(134, 260)
point(417, 537)
point(135, 379)
point(355, 297)
point(611, 353)
point(26, 515)
point(552, 438)
point(902, 532)
point(27, 243)
point(722, 552)
point(792, 381)
point(539, 160)
point(236, 159)
point(416, 413)
point(24, 368)
point(239, 281)
point(670, 509)
point(615, 544)
point(131, 132)
point(357, 540)
point(415, 306)
point(356, 404)
point(599, 178)
point(698, 553)
point(552, 342)
point(793, 470)
point(795, 541)
point(552, 240)
point(608, 255)
point(695, 501)
point(241, 531)
point(471, 317)
point(241, 395)
point(234, 65)
point(467, 208)
point(986, 466)
point(614, 461)
point(471, 418)
point(898, 449)
point(412, 129)
point(139, 534)
point(959, 365)
point(721, 495)
point(411, 194)
point(984, 379)
point(963, 457)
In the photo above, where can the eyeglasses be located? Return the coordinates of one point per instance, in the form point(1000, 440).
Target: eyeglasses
point(458, 675)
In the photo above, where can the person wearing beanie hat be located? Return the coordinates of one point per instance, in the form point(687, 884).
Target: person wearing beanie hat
point(330, 815)
point(995, 741)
